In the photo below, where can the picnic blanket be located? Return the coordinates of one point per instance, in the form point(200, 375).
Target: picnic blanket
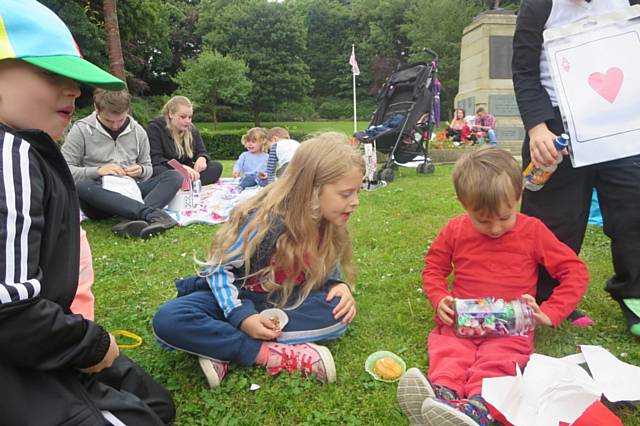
point(212, 205)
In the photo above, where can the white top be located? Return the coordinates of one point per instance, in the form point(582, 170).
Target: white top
point(285, 149)
point(565, 12)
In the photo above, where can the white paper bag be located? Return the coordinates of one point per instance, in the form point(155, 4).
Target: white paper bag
point(594, 65)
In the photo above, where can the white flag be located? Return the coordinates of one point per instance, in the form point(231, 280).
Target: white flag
point(352, 61)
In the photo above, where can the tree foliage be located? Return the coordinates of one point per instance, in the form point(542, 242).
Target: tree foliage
point(292, 49)
point(270, 37)
point(444, 35)
point(212, 77)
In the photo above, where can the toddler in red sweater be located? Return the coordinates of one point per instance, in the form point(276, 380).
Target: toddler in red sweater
point(495, 252)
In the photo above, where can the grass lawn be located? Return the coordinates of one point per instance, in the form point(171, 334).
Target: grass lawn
point(391, 231)
point(293, 126)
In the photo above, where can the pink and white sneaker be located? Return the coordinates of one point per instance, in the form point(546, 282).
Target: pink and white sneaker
point(306, 358)
point(214, 370)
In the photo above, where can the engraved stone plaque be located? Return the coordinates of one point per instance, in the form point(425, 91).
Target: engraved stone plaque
point(467, 104)
point(503, 106)
point(509, 133)
point(500, 54)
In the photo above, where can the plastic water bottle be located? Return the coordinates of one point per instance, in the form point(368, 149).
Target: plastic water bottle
point(490, 317)
point(536, 177)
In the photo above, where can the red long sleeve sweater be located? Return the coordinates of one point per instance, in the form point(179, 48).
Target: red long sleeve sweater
point(505, 267)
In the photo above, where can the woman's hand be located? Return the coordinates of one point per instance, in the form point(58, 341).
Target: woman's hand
point(538, 315)
point(259, 327)
point(445, 310)
point(543, 151)
point(112, 353)
point(193, 175)
point(200, 165)
point(346, 308)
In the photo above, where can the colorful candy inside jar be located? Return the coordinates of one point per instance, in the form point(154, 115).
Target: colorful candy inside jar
point(491, 317)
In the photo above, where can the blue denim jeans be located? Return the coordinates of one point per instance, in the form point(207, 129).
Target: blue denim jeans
point(491, 134)
point(195, 323)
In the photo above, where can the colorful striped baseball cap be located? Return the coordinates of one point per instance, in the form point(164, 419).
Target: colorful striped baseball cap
point(31, 32)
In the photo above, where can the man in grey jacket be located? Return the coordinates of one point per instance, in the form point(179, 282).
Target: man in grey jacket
point(109, 142)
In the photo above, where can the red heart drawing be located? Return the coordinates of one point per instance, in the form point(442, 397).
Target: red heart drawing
point(607, 85)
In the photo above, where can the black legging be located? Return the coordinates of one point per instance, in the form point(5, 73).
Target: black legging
point(211, 174)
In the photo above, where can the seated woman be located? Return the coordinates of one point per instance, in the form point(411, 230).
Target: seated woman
point(458, 129)
point(173, 136)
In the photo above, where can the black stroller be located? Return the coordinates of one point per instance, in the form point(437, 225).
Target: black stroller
point(403, 121)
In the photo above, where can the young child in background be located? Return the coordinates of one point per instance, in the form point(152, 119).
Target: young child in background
point(281, 149)
point(252, 164)
point(56, 367)
point(285, 247)
point(495, 252)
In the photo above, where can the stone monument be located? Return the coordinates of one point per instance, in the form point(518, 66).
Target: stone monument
point(485, 74)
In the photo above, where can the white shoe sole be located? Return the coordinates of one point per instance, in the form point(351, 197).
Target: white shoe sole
point(413, 389)
point(327, 360)
point(209, 372)
point(438, 414)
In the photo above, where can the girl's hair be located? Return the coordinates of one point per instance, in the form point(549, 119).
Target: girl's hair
point(487, 179)
point(258, 135)
point(309, 244)
point(183, 140)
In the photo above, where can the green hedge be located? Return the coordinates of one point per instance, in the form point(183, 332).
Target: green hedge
point(226, 145)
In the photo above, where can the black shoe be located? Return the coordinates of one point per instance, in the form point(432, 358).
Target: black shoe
point(129, 228)
point(159, 221)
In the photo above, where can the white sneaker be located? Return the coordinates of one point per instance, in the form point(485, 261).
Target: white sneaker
point(214, 370)
point(436, 413)
point(413, 389)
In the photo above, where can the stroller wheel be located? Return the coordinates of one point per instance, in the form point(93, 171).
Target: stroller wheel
point(387, 175)
point(426, 168)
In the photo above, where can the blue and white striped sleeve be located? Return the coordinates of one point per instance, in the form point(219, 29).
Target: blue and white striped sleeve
point(221, 280)
point(272, 162)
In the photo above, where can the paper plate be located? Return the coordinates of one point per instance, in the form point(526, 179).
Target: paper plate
point(371, 362)
point(277, 313)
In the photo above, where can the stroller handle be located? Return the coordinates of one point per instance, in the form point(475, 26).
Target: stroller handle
point(432, 52)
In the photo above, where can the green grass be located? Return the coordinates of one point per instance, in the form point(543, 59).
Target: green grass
point(293, 126)
point(391, 231)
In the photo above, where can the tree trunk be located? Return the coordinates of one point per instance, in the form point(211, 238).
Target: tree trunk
point(116, 61)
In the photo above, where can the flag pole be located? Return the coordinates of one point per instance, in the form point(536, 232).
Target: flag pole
point(353, 74)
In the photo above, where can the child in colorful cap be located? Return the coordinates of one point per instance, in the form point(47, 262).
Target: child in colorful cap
point(67, 366)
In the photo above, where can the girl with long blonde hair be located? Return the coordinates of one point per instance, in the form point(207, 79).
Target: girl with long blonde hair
point(283, 249)
point(173, 136)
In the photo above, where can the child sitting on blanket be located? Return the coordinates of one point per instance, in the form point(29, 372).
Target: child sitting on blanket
point(281, 149)
point(251, 166)
point(495, 252)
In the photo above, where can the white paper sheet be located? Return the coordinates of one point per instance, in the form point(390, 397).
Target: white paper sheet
point(619, 380)
point(123, 185)
point(549, 391)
